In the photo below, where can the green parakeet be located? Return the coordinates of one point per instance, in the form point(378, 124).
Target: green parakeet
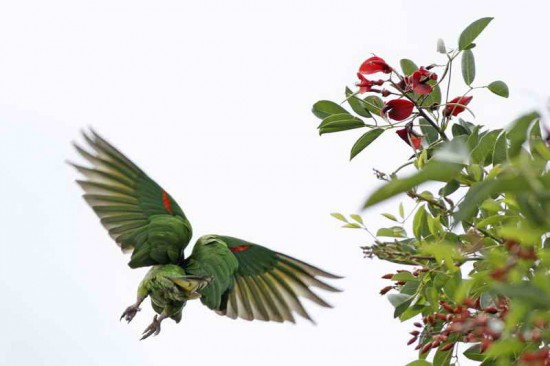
point(231, 276)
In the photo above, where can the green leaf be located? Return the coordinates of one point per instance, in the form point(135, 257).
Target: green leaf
point(434, 97)
point(419, 363)
point(392, 232)
point(339, 216)
point(473, 138)
point(411, 287)
point(430, 133)
point(485, 147)
point(365, 141)
point(400, 302)
point(434, 170)
point(493, 220)
point(325, 108)
point(500, 151)
point(340, 122)
point(442, 358)
point(398, 299)
point(518, 132)
point(468, 125)
point(471, 32)
point(389, 216)
point(404, 276)
point(459, 130)
point(474, 353)
point(441, 46)
point(357, 104)
point(468, 67)
point(374, 104)
point(480, 191)
point(542, 150)
point(449, 188)
point(401, 210)
point(499, 88)
point(408, 66)
point(352, 225)
point(504, 347)
point(420, 223)
point(412, 311)
point(357, 218)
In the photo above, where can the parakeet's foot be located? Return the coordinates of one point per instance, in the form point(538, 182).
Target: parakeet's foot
point(153, 328)
point(130, 312)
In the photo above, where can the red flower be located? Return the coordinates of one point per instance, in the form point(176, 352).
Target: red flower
point(398, 109)
point(456, 106)
point(373, 65)
point(408, 135)
point(365, 84)
point(419, 80)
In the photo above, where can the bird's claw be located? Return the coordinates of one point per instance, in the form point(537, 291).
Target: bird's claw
point(130, 312)
point(153, 328)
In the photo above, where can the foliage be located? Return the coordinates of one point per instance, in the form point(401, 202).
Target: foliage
point(477, 246)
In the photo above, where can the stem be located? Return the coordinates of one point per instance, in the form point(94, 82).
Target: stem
point(401, 167)
point(484, 232)
point(423, 114)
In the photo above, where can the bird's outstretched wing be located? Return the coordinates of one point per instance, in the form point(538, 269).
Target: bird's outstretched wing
point(139, 215)
point(254, 282)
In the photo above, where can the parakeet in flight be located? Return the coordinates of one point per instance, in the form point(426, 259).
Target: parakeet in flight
point(231, 276)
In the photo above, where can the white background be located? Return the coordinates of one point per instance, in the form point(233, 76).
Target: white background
point(212, 99)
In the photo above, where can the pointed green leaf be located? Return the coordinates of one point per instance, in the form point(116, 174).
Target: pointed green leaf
point(374, 104)
point(420, 223)
point(504, 347)
point(419, 363)
point(499, 88)
point(357, 218)
point(365, 141)
point(401, 302)
point(480, 191)
point(468, 67)
point(485, 147)
point(401, 210)
point(474, 353)
point(518, 132)
point(442, 358)
point(389, 216)
point(357, 104)
point(434, 97)
point(500, 152)
point(459, 130)
point(325, 108)
point(471, 32)
point(339, 216)
point(404, 276)
point(433, 171)
point(392, 232)
point(408, 66)
point(339, 122)
point(449, 188)
point(430, 133)
point(352, 226)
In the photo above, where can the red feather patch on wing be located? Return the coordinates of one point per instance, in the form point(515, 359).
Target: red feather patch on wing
point(166, 202)
point(239, 248)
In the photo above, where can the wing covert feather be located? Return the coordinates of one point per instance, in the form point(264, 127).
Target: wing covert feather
point(138, 214)
point(264, 285)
